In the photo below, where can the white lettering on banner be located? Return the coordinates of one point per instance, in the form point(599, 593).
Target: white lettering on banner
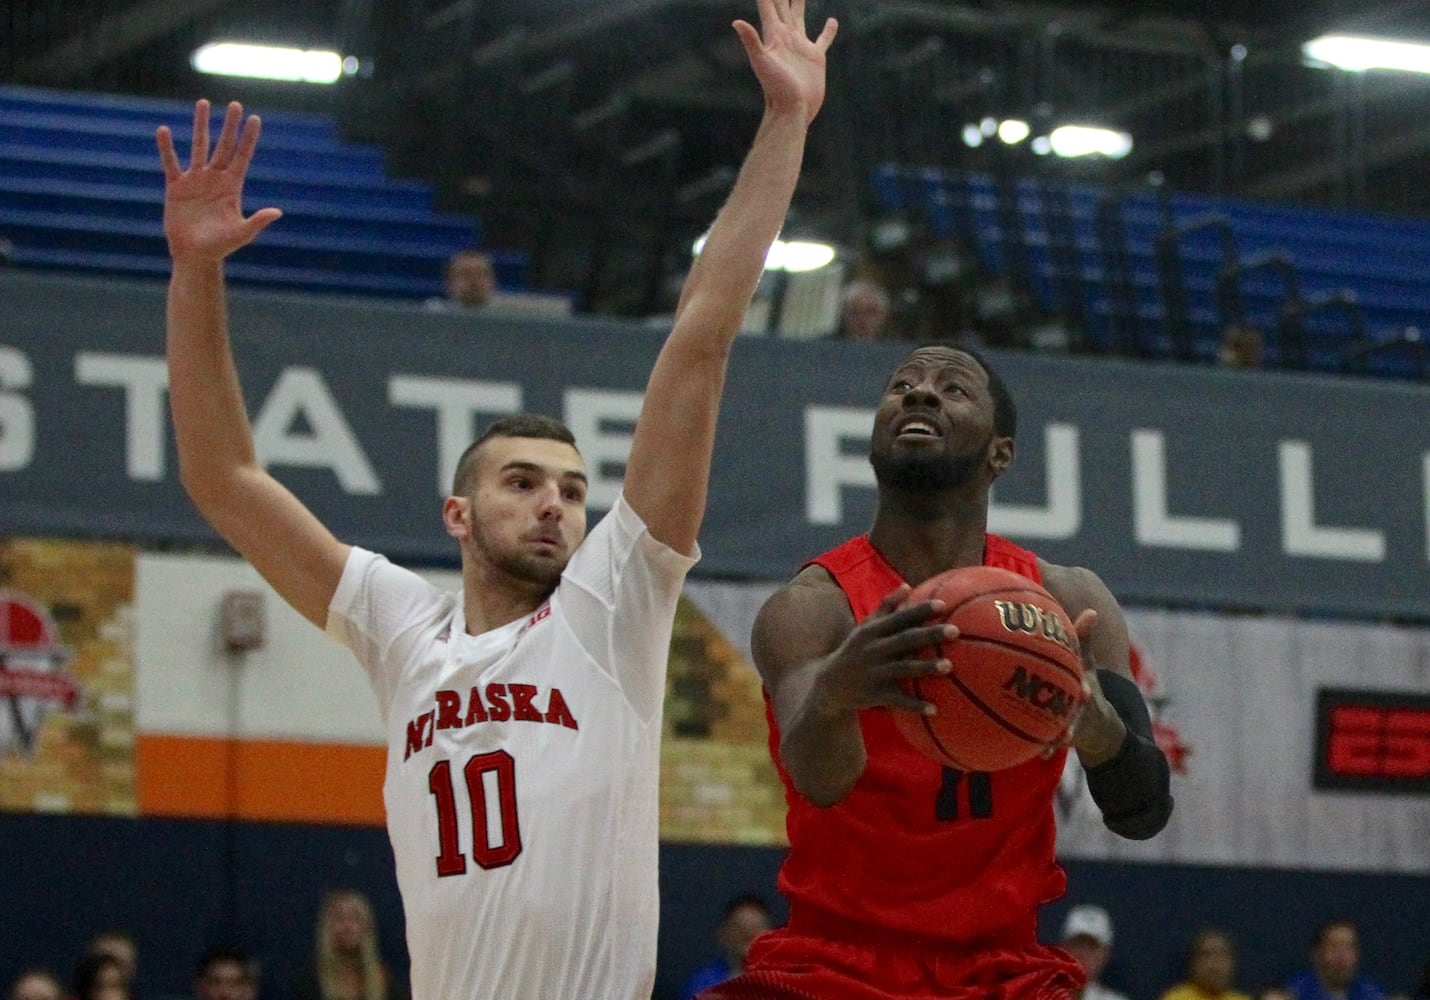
point(1062, 516)
point(589, 412)
point(145, 381)
point(1153, 525)
point(1300, 535)
point(456, 402)
point(827, 466)
point(17, 416)
point(330, 444)
point(1425, 496)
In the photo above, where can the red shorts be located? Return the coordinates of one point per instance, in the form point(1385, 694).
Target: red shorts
point(798, 964)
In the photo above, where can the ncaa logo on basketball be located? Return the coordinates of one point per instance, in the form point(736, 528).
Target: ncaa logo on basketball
point(1044, 695)
point(32, 679)
point(1030, 619)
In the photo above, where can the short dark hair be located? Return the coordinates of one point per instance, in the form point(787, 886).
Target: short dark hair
point(1329, 926)
point(519, 425)
point(87, 972)
point(1005, 411)
point(752, 900)
point(469, 251)
point(221, 954)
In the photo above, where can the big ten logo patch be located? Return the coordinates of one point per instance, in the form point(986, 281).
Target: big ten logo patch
point(33, 681)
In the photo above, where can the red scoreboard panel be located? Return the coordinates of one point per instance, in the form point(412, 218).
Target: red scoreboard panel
point(1373, 741)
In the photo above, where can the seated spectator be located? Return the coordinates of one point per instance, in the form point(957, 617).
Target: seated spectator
point(36, 984)
point(1211, 969)
point(99, 976)
point(1087, 937)
point(346, 962)
point(470, 280)
point(1335, 958)
point(119, 945)
point(1241, 347)
point(225, 973)
point(865, 313)
point(744, 919)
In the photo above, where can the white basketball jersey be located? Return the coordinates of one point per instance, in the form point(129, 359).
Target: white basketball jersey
point(523, 769)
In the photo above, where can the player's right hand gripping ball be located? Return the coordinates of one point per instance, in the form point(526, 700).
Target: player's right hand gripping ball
point(1016, 683)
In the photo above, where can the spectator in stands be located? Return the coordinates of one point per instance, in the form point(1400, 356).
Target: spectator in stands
point(99, 976)
point(865, 313)
point(347, 964)
point(1211, 969)
point(744, 919)
point(119, 945)
point(225, 973)
point(36, 984)
point(1275, 993)
point(1242, 346)
point(1087, 937)
point(470, 278)
point(1335, 959)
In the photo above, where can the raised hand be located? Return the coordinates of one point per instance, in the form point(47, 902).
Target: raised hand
point(880, 651)
point(203, 205)
point(789, 66)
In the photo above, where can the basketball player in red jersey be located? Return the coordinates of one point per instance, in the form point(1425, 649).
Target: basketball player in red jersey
point(906, 879)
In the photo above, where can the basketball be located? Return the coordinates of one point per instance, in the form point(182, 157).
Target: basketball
point(1016, 682)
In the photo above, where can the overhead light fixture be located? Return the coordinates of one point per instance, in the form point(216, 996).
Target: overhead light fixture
point(1013, 131)
point(972, 136)
point(272, 62)
point(1356, 54)
point(793, 256)
point(1089, 140)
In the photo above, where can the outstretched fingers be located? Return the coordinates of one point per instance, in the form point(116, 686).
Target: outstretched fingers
point(199, 148)
point(826, 37)
point(228, 138)
point(164, 136)
point(259, 221)
point(248, 142)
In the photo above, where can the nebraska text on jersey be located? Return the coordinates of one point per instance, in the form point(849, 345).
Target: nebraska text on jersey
point(494, 703)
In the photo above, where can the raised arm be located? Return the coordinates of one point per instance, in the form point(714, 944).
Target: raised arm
point(820, 669)
point(204, 223)
point(668, 471)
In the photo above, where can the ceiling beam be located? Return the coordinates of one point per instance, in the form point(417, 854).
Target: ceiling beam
point(1298, 179)
point(112, 36)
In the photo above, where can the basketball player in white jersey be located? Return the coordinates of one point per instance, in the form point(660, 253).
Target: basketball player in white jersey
point(523, 714)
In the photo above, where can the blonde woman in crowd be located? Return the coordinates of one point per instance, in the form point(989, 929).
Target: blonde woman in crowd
point(346, 962)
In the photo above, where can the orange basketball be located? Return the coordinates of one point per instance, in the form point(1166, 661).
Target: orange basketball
point(1016, 683)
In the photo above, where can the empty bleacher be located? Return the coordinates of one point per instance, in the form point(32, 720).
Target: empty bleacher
point(1159, 274)
point(81, 190)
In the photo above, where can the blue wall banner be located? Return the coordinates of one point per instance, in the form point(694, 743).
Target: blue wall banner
point(1179, 485)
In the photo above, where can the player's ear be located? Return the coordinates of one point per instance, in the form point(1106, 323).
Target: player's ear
point(457, 516)
point(1000, 455)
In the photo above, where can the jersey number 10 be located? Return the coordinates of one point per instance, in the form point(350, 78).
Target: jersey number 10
point(491, 797)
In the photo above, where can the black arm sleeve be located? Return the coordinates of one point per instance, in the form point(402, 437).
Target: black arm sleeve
point(1133, 789)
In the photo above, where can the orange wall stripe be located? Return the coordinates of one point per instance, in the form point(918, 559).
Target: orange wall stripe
point(273, 780)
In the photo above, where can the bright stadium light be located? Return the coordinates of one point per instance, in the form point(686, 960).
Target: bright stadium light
point(1357, 54)
point(792, 257)
point(1088, 140)
point(270, 62)
point(1014, 131)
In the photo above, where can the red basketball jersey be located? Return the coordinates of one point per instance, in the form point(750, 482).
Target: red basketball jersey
point(914, 848)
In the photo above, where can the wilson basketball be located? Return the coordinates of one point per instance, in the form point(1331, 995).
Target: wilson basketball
point(1016, 682)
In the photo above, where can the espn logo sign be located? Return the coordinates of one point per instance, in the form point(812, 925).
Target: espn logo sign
point(1372, 741)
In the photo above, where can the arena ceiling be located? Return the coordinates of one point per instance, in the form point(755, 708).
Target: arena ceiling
point(602, 135)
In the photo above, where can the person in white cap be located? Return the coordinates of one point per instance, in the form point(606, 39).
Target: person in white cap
point(1087, 937)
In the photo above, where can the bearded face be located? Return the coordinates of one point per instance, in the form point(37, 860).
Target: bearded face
point(924, 471)
point(933, 431)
